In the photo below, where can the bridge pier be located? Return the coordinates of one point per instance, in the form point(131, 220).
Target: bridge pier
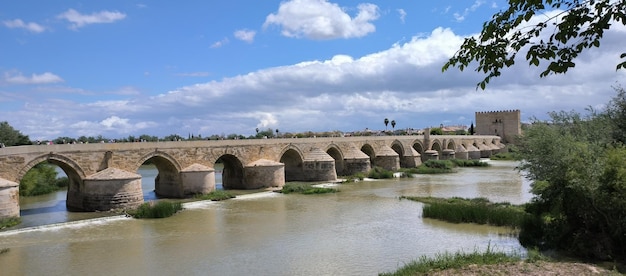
point(318, 166)
point(105, 190)
point(431, 155)
point(356, 161)
point(473, 152)
point(387, 159)
point(9, 199)
point(197, 179)
point(264, 174)
point(447, 154)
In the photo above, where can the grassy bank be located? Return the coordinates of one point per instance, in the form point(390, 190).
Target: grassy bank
point(217, 195)
point(443, 166)
point(9, 222)
point(156, 209)
point(305, 188)
point(477, 210)
point(427, 265)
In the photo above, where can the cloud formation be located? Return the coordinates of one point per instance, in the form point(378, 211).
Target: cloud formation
point(245, 35)
point(460, 17)
point(320, 20)
point(403, 83)
point(30, 26)
point(79, 20)
point(19, 78)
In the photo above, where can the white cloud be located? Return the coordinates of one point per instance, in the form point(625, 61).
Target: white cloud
point(459, 17)
point(30, 26)
point(79, 20)
point(220, 43)
point(245, 35)
point(402, 14)
point(19, 78)
point(403, 82)
point(320, 19)
point(194, 74)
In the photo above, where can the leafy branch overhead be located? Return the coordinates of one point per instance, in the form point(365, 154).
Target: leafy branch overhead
point(580, 25)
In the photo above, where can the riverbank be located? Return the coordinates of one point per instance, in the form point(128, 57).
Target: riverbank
point(539, 268)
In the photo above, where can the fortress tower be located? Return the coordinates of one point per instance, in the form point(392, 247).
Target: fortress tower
point(506, 124)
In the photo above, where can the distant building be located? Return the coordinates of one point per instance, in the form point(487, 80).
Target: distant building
point(506, 124)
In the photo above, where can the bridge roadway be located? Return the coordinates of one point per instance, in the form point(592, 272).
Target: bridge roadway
point(103, 176)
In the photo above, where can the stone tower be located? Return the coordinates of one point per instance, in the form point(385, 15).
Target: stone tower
point(506, 124)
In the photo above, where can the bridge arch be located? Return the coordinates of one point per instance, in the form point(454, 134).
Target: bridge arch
point(162, 157)
point(335, 152)
point(167, 182)
point(450, 144)
point(436, 145)
point(68, 165)
point(293, 159)
point(75, 174)
point(418, 146)
point(369, 150)
point(232, 174)
point(399, 149)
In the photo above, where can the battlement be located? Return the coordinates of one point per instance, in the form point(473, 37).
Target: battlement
point(499, 111)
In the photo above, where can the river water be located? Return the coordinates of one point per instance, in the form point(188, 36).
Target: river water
point(364, 229)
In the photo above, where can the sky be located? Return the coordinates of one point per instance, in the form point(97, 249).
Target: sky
point(121, 67)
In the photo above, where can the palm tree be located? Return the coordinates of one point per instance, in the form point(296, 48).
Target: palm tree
point(386, 123)
point(393, 124)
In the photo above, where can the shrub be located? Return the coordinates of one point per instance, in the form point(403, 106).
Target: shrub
point(469, 163)
point(380, 173)
point(158, 209)
point(305, 188)
point(39, 180)
point(476, 210)
point(427, 265)
point(216, 195)
point(9, 222)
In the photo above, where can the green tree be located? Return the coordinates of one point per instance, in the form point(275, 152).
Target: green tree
point(268, 133)
point(579, 186)
point(12, 137)
point(63, 140)
point(393, 124)
point(557, 39)
point(386, 123)
point(148, 138)
point(39, 180)
point(436, 131)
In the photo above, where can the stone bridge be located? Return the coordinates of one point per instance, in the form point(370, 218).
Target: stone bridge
point(104, 176)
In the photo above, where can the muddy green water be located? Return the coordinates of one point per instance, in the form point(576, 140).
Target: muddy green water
point(362, 230)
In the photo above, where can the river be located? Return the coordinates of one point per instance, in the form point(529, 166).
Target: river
point(364, 229)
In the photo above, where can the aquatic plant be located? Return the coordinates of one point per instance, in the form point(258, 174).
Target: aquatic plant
point(9, 222)
point(216, 195)
point(426, 265)
point(158, 209)
point(476, 210)
point(305, 188)
point(380, 173)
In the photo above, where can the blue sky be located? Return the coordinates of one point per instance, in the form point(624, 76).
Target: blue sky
point(118, 68)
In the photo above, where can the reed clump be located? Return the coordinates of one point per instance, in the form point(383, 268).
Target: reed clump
point(217, 195)
point(156, 209)
point(380, 173)
point(476, 210)
point(305, 188)
point(9, 222)
point(428, 265)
